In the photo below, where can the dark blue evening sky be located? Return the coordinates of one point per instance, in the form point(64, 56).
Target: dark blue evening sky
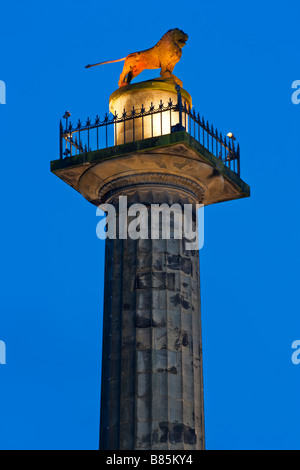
point(238, 65)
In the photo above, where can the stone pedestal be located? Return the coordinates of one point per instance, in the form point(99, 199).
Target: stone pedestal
point(142, 96)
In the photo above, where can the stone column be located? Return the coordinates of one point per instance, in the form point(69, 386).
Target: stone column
point(152, 385)
point(152, 389)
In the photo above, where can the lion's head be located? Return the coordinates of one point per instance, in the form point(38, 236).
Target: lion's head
point(176, 35)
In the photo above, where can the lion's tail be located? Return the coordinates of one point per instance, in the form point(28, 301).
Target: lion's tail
point(108, 62)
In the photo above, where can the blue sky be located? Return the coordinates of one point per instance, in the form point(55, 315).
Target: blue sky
point(238, 65)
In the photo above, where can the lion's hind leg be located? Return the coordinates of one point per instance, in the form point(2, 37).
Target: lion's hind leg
point(134, 73)
point(123, 80)
point(132, 68)
point(128, 75)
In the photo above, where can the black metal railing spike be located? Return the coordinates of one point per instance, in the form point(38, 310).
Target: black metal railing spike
point(229, 155)
point(225, 145)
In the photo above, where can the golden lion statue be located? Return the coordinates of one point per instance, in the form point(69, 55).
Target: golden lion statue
point(164, 55)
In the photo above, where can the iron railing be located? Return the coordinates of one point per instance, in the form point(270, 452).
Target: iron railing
point(89, 136)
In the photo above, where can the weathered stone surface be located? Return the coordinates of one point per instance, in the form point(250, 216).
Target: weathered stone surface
point(152, 390)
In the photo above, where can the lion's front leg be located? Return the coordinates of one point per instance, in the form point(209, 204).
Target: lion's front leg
point(167, 73)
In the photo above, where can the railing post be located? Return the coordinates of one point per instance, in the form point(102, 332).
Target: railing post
point(179, 126)
point(179, 99)
point(115, 128)
point(143, 130)
point(60, 140)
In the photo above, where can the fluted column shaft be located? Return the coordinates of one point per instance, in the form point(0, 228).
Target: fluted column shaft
point(152, 385)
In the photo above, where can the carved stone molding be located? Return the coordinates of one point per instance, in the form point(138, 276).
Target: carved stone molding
point(143, 182)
